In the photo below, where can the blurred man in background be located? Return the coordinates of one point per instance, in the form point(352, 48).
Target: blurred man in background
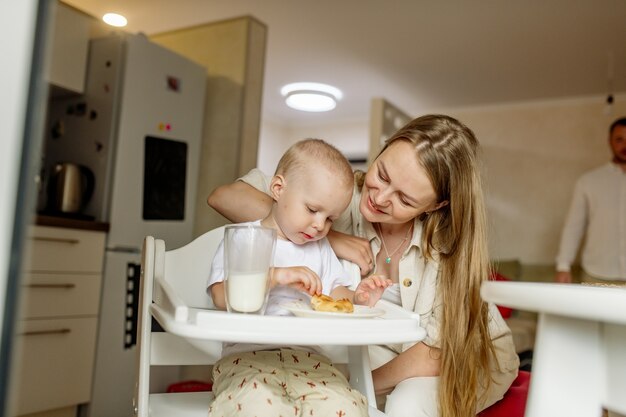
point(598, 213)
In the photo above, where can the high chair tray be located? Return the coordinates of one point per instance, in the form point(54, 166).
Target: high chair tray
point(395, 326)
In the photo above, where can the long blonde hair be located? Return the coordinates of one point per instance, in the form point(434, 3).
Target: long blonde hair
point(448, 151)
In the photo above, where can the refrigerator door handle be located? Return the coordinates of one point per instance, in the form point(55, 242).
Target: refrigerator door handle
point(124, 249)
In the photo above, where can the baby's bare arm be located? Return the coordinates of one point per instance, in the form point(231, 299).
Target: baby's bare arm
point(218, 296)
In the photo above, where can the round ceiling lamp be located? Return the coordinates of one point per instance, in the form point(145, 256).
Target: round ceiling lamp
point(114, 19)
point(312, 97)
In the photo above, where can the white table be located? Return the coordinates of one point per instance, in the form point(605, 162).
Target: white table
point(199, 326)
point(579, 363)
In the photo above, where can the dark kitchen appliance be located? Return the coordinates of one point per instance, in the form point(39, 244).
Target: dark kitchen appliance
point(70, 188)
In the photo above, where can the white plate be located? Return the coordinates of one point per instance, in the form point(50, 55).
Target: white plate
point(302, 309)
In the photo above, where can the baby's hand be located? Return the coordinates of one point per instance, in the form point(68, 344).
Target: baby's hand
point(299, 277)
point(370, 289)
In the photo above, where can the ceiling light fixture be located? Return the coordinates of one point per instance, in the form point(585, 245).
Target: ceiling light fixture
point(115, 19)
point(313, 97)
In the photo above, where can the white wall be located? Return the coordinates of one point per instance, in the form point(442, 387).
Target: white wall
point(351, 138)
point(533, 153)
point(273, 141)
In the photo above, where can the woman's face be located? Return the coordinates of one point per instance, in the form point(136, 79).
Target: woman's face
point(396, 188)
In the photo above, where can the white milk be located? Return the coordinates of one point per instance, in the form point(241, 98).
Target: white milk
point(246, 292)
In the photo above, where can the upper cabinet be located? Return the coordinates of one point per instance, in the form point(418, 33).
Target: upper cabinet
point(68, 49)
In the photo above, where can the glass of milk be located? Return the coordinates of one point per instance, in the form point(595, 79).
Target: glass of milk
point(248, 256)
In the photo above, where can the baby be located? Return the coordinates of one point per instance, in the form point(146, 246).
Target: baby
point(311, 188)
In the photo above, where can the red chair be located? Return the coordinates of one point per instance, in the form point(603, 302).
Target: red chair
point(513, 404)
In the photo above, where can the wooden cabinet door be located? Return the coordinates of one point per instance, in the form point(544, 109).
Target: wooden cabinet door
point(55, 359)
point(70, 43)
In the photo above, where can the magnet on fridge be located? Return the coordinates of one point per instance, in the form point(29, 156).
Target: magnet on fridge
point(173, 83)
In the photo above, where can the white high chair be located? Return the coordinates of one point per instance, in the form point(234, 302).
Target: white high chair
point(172, 291)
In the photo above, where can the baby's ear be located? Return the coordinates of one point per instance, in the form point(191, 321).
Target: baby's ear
point(277, 186)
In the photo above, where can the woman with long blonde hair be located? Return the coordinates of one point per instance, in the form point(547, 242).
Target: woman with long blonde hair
point(417, 217)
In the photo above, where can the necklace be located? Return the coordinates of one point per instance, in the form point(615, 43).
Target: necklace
point(382, 239)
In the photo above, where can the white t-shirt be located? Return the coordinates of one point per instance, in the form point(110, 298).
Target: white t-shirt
point(597, 213)
point(318, 256)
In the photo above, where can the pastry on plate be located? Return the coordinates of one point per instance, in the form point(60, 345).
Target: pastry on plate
point(328, 304)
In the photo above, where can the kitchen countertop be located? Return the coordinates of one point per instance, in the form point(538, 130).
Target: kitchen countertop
point(70, 223)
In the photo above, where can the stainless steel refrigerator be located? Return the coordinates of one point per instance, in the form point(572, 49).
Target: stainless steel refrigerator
point(138, 128)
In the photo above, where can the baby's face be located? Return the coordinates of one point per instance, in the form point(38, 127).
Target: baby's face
point(309, 204)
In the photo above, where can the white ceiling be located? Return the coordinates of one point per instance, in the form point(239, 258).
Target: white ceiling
point(421, 55)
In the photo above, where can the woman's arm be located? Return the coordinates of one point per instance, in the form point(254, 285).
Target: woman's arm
point(240, 202)
point(354, 249)
point(418, 360)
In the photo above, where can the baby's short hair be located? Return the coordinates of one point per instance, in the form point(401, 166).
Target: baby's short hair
point(315, 153)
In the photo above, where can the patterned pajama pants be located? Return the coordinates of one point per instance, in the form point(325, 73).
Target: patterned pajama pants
point(282, 383)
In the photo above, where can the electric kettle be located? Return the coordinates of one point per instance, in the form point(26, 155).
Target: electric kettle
point(70, 187)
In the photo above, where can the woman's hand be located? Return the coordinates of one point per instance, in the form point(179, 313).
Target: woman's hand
point(299, 277)
point(370, 289)
point(354, 249)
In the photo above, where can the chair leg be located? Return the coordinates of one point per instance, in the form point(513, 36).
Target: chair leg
point(360, 372)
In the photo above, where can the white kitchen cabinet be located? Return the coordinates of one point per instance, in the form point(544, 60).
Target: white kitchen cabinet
point(68, 50)
point(56, 334)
